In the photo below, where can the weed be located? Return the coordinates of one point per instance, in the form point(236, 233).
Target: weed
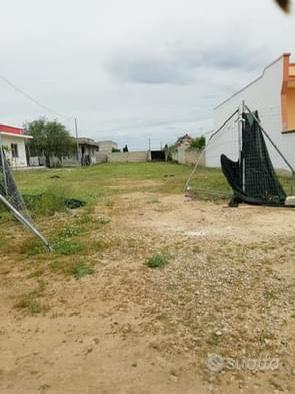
point(154, 201)
point(65, 246)
point(49, 202)
point(157, 261)
point(32, 247)
point(76, 268)
point(32, 305)
point(37, 273)
point(109, 203)
point(31, 302)
point(81, 269)
point(55, 265)
point(70, 231)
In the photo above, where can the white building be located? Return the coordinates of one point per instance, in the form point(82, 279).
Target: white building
point(13, 141)
point(273, 95)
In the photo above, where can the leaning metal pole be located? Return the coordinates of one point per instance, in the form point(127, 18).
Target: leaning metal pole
point(206, 147)
point(25, 222)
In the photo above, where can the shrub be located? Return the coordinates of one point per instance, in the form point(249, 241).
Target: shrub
point(66, 246)
point(157, 261)
point(49, 202)
point(80, 270)
point(198, 143)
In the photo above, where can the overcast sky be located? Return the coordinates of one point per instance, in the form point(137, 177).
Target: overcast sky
point(134, 69)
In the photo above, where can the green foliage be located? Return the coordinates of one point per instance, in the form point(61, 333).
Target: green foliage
point(198, 143)
point(33, 248)
point(115, 150)
point(49, 139)
point(81, 269)
point(157, 261)
point(49, 202)
point(77, 269)
point(66, 246)
point(70, 231)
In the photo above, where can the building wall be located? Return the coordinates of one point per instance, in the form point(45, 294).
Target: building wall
point(263, 95)
point(130, 157)
point(101, 157)
point(107, 146)
point(90, 151)
point(21, 160)
point(72, 161)
point(187, 156)
point(192, 156)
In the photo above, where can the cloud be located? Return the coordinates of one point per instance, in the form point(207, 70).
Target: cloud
point(130, 70)
point(180, 65)
point(148, 71)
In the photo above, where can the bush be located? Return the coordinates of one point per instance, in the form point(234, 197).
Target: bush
point(157, 261)
point(81, 270)
point(198, 143)
point(49, 202)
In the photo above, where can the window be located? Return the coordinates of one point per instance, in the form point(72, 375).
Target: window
point(14, 150)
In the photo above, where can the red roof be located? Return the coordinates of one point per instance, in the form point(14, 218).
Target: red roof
point(11, 130)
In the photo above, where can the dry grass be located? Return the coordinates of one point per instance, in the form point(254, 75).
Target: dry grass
point(221, 293)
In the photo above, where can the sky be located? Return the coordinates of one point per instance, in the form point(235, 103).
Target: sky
point(133, 70)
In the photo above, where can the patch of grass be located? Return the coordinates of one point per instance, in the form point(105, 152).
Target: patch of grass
point(157, 261)
point(56, 265)
point(109, 203)
point(47, 203)
point(37, 273)
point(76, 268)
point(65, 246)
point(32, 247)
point(154, 200)
point(30, 302)
point(70, 231)
point(81, 269)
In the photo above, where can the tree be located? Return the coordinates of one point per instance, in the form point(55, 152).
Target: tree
point(198, 143)
point(49, 139)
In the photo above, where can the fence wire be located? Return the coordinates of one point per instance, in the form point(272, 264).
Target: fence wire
point(8, 187)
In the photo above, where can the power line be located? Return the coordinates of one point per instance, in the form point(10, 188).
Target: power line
point(29, 97)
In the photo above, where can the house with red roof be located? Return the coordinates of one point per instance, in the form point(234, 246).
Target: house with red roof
point(13, 141)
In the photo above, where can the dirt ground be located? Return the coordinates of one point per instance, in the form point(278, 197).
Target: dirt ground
point(219, 318)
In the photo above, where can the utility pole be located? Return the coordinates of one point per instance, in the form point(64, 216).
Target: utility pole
point(149, 153)
point(77, 141)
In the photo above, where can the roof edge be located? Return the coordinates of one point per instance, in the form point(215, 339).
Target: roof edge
point(25, 136)
point(254, 81)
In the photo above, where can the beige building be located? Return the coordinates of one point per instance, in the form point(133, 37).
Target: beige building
point(106, 146)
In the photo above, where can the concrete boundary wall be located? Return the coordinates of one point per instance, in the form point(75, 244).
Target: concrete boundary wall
point(128, 157)
point(188, 157)
point(101, 157)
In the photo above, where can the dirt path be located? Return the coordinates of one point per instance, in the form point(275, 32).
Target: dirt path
point(227, 294)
